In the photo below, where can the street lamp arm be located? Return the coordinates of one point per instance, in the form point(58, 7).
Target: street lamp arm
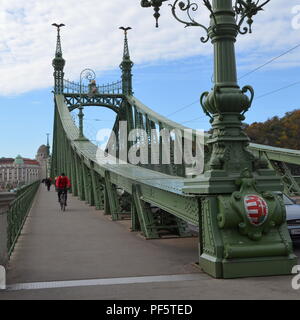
point(88, 74)
point(188, 7)
point(243, 9)
point(247, 9)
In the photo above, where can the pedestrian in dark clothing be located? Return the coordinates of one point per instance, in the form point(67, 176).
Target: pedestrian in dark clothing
point(48, 182)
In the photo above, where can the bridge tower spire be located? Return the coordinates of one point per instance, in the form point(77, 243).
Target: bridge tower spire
point(48, 145)
point(126, 66)
point(58, 63)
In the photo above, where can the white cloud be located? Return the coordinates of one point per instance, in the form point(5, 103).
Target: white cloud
point(91, 38)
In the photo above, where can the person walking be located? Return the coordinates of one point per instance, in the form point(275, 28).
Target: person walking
point(48, 182)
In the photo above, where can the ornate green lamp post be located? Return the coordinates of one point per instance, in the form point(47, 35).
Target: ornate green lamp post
point(242, 223)
point(90, 75)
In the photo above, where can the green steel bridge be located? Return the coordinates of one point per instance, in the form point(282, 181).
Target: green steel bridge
point(161, 198)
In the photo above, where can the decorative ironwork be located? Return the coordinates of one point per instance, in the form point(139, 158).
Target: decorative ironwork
point(111, 101)
point(247, 9)
point(251, 90)
point(190, 7)
point(242, 9)
point(110, 88)
point(126, 48)
point(126, 66)
point(186, 6)
point(156, 4)
point(58, 62)
point(90, 75)
point(58, 52)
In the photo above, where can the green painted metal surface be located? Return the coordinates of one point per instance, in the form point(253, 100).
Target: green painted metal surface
point(241, 217)
point(276, 154)
point(18, 212)
point(165, 192)
point(231, 242)
point(156, 186)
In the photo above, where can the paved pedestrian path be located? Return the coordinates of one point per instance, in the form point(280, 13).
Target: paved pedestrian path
point(82, 254)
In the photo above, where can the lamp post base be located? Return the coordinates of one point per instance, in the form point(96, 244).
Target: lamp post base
point(252, 267)
point(233, 245)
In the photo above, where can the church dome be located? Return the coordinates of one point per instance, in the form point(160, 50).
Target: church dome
point(42, 149)
point(19, 160)
point(43, 152)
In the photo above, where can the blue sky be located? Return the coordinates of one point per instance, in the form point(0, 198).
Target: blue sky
point(172, 67)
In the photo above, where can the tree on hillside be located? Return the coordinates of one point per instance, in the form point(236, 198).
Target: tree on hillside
point(277, 132)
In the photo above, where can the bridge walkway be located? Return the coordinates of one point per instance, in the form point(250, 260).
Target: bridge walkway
point(82, 244)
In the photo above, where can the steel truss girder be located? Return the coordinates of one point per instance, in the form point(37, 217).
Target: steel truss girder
point(275, 160)
point(145, 217)
point(276, 154)
point(98, 190)
point(111, 198)
point(182, 206)
point(185, 207)
point(152, 224)
point(291, 186)
point(110, 101)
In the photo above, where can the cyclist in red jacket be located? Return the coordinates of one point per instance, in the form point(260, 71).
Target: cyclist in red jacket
point(62, 184)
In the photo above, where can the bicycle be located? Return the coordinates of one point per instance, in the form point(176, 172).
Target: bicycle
point(62, 200)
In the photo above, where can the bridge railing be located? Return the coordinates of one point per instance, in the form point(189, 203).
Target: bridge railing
point(110, 88)
point(17, 213)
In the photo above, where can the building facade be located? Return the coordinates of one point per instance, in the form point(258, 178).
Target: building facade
point(17, 172)
point(21, 171)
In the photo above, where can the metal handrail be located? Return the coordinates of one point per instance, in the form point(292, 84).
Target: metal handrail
point(74, 87)
point(18, 211)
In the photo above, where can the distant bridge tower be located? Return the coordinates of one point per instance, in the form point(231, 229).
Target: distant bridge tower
point(126, 66)
point(48, 145)
point(58, 63)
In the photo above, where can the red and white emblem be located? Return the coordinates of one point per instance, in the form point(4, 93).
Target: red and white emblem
point(256, 208)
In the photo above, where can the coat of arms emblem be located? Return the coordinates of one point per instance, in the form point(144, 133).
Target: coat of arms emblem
point(256, 209)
